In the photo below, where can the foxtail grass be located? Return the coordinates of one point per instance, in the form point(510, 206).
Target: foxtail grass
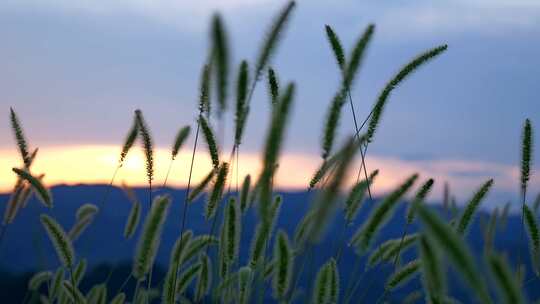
point(56, 282)
point(220, 51)
point(448, 240)
point(232, 229)
point(419, 198)
point(20, 138)
point(86, 210)
point(128, 142)
point(526, 157)
point(403, 275)
point(364, 236)
point(134, 216)
point(79, 227)
point(534, 238)
point(324, 206)
point(201, 186)
point(38, 279)
point(43, 193)
point(119, 298)
point(490, 230)
point(179, 141)
point(169, 285)
point(150, 238)
point(217, 192)
point(273, 86)
point(210, 141)
point(79, 271)
point(242, 108)
point(284, 265)
point(271, 42)
point(356, 197)
point(186, 277)
point(433, 276)
point(472, 207)
point(197, 244)
point(244, 194)
point(204, 278)
point(272, 149)
point(244, 284)
point(60, 240)
point(395, 81)
point(349, 73)
point(337, 48)
point(147, 145)
point(508, 289)
point(73, 292)
point(321, 292)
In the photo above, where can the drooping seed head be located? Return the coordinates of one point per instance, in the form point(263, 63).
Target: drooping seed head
point(269, 45)
point(60, 240)
point(180, 139)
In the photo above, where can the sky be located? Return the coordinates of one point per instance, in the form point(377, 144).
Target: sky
point(75, 71)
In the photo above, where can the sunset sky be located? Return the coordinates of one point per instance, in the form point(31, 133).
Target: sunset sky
point(75, 71)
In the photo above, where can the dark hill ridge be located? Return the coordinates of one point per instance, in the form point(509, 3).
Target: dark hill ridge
point(26, 247)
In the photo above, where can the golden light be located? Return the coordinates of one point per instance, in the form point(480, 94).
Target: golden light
point(95, 164)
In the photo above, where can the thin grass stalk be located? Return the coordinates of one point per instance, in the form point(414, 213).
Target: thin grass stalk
point(128, 143)
point(351, 286)
point(394, 264)
point(176, 259)
point(362, 155)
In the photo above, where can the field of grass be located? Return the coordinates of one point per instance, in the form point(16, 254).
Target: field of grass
point(217, 266)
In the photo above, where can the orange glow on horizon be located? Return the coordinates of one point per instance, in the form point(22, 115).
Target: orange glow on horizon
point(95, 164)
